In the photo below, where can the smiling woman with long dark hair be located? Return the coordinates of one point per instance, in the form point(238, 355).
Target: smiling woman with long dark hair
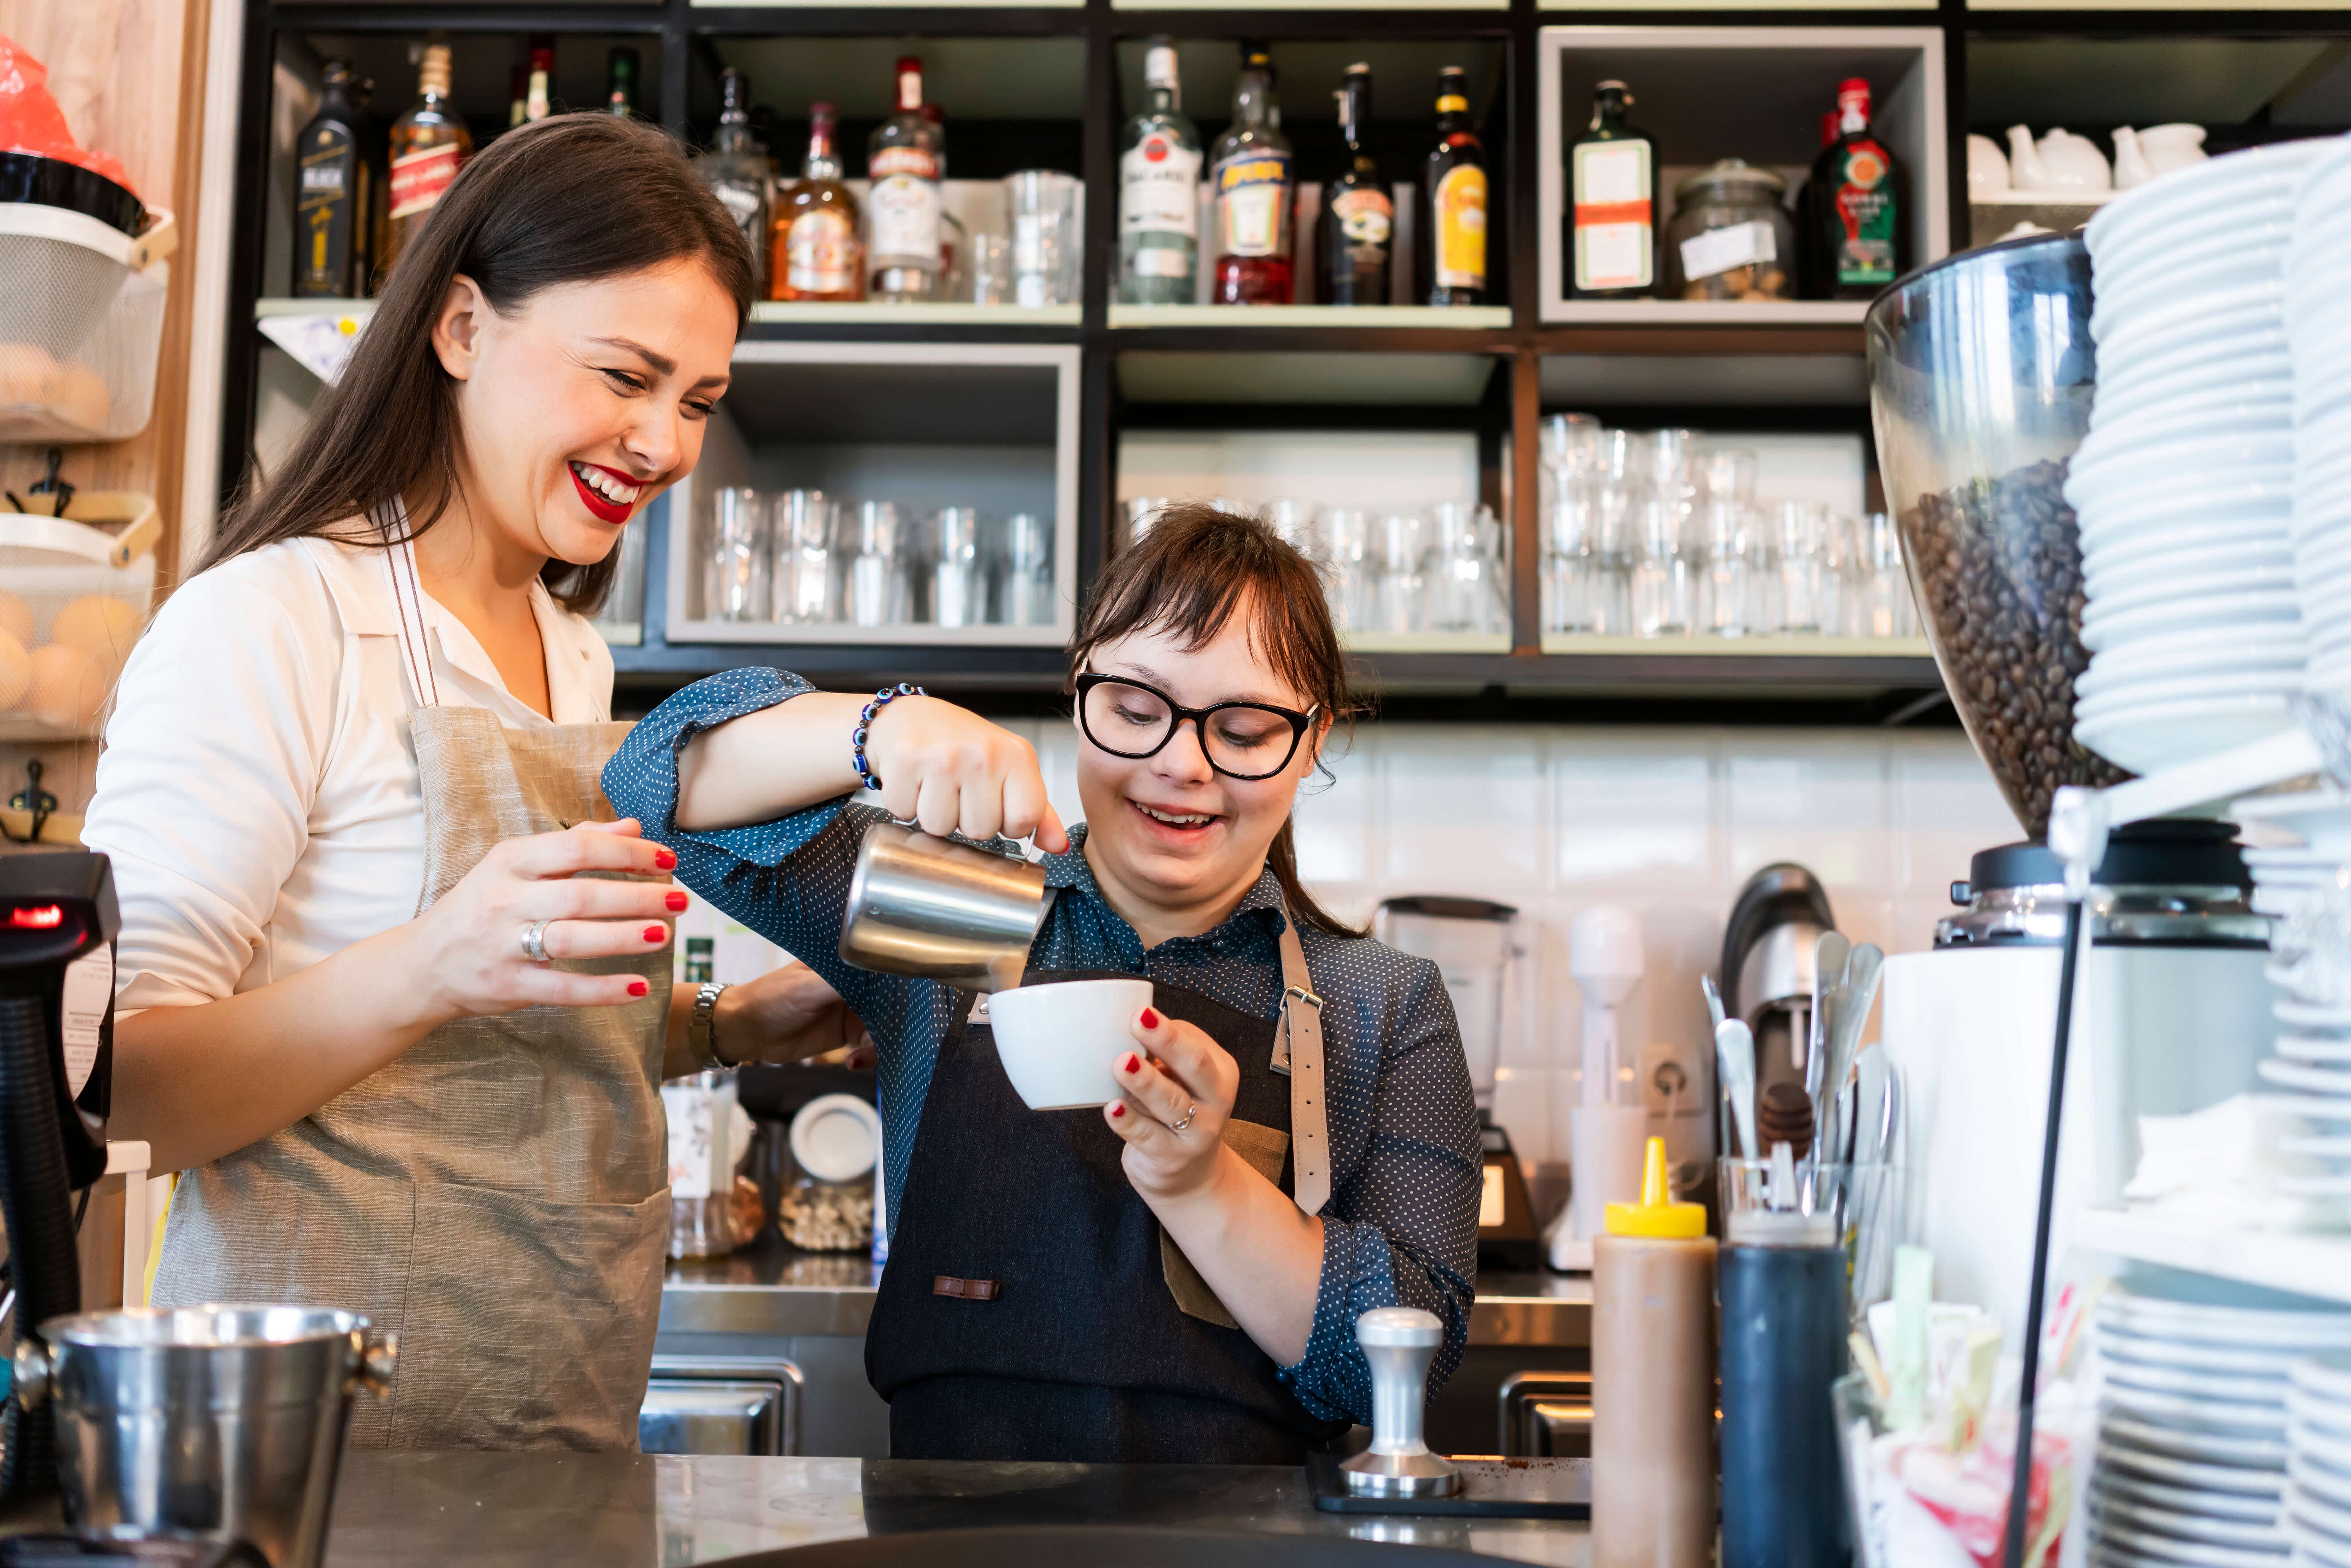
point(409, 1056)
point(1177, 1276)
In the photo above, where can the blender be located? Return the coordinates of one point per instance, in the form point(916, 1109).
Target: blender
point(1981, 374)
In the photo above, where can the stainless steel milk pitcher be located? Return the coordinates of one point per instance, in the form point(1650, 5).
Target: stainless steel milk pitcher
point(941, 909)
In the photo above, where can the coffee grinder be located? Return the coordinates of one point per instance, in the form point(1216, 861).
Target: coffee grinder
point(1473, 943)
point(57, 923)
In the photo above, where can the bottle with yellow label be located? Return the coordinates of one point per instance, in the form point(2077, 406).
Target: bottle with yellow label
point(1455, 215)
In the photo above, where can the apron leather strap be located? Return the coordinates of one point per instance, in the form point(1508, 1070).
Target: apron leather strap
point(408, 600)
point(1298, 1050)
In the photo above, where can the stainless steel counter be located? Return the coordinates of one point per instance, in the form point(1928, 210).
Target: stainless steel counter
point(544, 1510)
point(777, 1290)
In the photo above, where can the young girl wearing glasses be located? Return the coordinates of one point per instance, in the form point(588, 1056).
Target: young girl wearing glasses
point(1177, 1276)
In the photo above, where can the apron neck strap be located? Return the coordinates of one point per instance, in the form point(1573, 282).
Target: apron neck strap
point(1297, 1049)
point(408, 603)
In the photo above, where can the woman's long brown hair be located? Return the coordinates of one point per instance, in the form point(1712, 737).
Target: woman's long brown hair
point(1187, 577)
point(571, 199)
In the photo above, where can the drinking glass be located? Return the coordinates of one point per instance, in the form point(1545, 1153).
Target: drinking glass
point(991, 269)
point(735, 574)
point(1352, 583)
point(804, 523)
point(1024, 594)
point(1293, 520)
point(1047, 237)
point(1464, 570)
point(959, 591)
point(874, 587)
point(1664, 574)
point(1728, 539)
point(1800, 542)
point(1887, 608)
point(1141, 513)
point(1570, 478)
point(1400, 546)
point(1621, 491)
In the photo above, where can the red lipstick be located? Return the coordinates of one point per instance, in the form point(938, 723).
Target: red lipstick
point(603, 511)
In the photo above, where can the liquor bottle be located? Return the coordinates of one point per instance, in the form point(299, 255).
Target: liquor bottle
point(735, 171)
point(1255, 179)
point(538, 99)
point(620, 83)
point(429, 144)
point(519, 94)
point(818, 253)
point(1159, 192)
point(332, 201)
point(1455, 183)
point(905, 165)
point(1856, 245)
point(1352, 238)
point(1613, 184)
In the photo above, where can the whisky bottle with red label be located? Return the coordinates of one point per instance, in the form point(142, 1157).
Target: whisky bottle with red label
point(1255, 179)
point(1857, 243)
point(429, 144)
point(818, 251)
point(1456, 184)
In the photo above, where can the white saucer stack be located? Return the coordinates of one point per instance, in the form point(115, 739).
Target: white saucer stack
point(2307, 887)
point(2184, 486)
point(2192, 1452)
point(2317, 277)
point(2317, 1518)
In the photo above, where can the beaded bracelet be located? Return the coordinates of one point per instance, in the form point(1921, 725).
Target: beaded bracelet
point(881, 699)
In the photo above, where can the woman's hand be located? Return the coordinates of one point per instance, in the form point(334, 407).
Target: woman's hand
point(785, 1015)
point(466, 953)
point(1178, 1075)
point(953, 772)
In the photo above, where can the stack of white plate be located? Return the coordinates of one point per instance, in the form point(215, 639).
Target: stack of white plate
point(2309, 1073)
point(2318, 1461)
point(2317, 279)
point(2184, 487)
point(2191, 1466)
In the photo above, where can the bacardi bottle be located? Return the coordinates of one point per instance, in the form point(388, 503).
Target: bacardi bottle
point(1159, 192)
point(1254, 180)
point(818, 253)
point(429, 144)
point(332, 202)
point(1455, 180)
point(736, 172)
point(905, 165)
point(1613, 222)
point(1358, 222)
point(1858, 244)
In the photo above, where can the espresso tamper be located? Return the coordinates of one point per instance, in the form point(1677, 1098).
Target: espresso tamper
point(1399, 1343)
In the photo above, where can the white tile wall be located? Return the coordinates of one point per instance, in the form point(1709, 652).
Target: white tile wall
point(1668, 822)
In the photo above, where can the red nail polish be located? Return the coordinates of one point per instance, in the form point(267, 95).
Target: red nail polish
point(655, 933)
point(675, 901)
point(665, 860)
point(1118, 1110)
point(1133, 1063)
point(1150, 1019)
point(637, 988)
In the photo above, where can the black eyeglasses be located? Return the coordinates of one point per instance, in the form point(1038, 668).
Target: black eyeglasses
point(1241, 740)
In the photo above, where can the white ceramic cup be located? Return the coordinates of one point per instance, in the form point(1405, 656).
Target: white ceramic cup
point(1057, 1040)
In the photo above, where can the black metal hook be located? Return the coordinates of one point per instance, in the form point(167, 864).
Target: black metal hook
point(33, 799)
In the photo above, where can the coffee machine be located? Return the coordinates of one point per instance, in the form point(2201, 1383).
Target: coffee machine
point(1475, 944)
point(57, 925)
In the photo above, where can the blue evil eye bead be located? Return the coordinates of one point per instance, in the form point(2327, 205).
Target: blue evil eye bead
point(857, 738)
point(871, 782)
point(885, 695)
point(866, 715)
point(905, 690)
point(859, 760)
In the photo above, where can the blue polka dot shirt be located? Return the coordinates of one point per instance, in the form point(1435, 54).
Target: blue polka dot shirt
point(1401, 1227)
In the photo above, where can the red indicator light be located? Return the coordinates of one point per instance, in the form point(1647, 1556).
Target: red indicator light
point(44, 918)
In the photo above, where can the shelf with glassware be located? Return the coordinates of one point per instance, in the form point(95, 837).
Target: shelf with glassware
point(1780, 176)
point(863, 493)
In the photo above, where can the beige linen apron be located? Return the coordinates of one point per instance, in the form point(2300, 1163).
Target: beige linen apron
point(499, 1192)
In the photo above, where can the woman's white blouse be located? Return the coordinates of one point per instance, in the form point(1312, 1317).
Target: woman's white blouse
point(258, 793)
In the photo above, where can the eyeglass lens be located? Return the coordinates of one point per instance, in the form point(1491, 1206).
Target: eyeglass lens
point(1132, 721)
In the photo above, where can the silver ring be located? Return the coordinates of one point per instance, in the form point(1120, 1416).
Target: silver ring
point(1179, 1126)
point(534, 941)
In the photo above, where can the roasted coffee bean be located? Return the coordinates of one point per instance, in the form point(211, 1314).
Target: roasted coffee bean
point(2002, 564)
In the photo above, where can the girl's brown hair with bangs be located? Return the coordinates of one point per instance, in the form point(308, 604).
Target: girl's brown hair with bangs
point(1187, 576)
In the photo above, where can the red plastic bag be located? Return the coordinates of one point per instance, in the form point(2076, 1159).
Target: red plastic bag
point(31, 121)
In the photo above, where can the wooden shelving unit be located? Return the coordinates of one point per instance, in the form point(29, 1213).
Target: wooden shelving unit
point(1048, 85)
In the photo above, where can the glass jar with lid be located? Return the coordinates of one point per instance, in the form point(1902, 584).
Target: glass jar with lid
point(1731, 236)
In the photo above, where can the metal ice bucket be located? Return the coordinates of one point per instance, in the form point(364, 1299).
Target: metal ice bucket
point(941, 909)
point(218, 1421)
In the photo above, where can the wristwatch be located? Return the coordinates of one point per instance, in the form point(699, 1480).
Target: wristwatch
point(701, 1032)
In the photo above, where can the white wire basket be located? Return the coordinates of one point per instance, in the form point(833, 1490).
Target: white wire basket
point(81, 324)
point(75, 593)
